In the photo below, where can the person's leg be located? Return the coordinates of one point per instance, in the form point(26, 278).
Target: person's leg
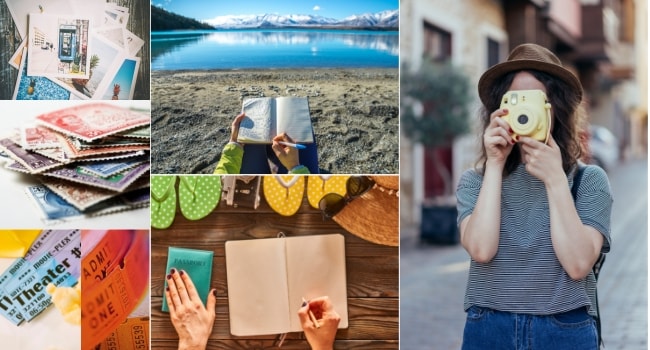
point(255, 160)
point(489, 329)
point(575, 330)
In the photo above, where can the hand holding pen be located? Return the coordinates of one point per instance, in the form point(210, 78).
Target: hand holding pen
point(288, 155)
point(320, 328)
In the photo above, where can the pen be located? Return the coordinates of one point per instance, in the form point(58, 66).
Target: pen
point(294, 145)
point(311, 315)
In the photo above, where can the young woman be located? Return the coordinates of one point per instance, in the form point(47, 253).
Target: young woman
point(532, 245)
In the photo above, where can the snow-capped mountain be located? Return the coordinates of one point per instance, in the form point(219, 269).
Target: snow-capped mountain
point(384, 19)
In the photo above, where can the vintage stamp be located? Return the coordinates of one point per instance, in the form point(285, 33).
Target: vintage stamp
point(109, 168)
point(52, 205)
point(33, 162)
point(37, 137)
point(117, 183)
point(90, 122)
point(72, 152)
point(138, 133)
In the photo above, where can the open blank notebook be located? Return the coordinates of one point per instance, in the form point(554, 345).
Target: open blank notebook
point(267, 279)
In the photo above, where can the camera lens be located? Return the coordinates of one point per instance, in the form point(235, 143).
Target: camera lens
point(522, 119)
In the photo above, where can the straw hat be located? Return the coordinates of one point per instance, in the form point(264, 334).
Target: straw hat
point(374, 216)
point(525, 57)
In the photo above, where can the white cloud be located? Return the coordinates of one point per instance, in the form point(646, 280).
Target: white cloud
point(316, 8)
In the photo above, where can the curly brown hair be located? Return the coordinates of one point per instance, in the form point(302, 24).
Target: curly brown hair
point(567, 119)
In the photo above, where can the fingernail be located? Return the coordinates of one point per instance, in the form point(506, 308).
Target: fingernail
point(214, 292)
point(512, 142)
point(173, 271)
point(181, 272)
point(304, 303)
point(169, 276)
point(167, 289)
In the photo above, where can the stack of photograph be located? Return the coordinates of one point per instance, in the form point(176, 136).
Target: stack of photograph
point(73, 49)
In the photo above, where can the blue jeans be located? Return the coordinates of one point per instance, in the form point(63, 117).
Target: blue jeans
point(490, 329)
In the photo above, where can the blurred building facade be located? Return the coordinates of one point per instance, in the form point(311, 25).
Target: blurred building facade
point(603, 41)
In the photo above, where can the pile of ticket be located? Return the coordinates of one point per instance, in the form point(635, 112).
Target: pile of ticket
point(54, 258)
point(74, 49)
point(91, 159)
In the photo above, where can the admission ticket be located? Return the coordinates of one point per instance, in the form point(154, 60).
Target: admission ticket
point(55, 258)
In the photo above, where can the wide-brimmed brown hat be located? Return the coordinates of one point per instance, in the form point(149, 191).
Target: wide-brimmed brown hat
point(374, 216)
point(525, 57)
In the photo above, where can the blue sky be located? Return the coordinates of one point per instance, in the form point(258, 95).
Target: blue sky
point(338, 9)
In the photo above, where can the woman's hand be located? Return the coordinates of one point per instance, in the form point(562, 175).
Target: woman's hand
point(288, 156)
point(234, 127)
point(544, 161)
point(497, 138)
point(193, 322)
point(321, 338)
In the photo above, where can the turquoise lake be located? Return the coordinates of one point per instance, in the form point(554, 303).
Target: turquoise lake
point(278, 48)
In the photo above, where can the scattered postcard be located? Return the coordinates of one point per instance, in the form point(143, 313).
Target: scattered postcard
point(20, 10)
point(17, 57)
point(104, 61)
point(58, 46)
point(35, 87)
point(114, 34)
point(133, 43)
point(112, 17)
point(123, 84)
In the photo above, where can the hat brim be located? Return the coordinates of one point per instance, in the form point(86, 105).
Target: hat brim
point(374, 216)
point(498, 70)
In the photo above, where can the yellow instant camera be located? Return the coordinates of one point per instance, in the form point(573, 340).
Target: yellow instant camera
point(529, 113)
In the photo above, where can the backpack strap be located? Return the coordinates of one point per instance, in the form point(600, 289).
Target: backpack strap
point(577, 178)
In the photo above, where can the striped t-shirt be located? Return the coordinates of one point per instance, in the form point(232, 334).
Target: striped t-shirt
point(525, 275)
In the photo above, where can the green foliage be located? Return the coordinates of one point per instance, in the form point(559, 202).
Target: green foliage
point(164, 20)
point(435, 102)
point(94, 61)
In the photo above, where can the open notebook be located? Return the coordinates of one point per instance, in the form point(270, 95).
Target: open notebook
point(267, 117)
point(267, 279)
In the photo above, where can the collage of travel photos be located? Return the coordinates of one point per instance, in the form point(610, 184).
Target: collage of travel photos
point(275, 174)
point(75, 171)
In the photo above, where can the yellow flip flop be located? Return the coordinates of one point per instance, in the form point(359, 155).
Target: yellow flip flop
point(320, 185)
point(163, 200)
point(284, 193)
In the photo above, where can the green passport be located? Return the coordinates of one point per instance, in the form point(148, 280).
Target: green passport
point(197, 264)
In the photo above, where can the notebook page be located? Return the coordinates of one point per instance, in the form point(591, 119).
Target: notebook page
point(260, 122)
point(293, 118)
point(257, 287)
point(316, 267)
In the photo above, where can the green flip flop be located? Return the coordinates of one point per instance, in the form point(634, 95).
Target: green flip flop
point(163, 200)
point(199, 195)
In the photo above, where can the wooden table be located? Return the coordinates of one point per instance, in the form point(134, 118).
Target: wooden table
point(139, 24)
point(372, 276)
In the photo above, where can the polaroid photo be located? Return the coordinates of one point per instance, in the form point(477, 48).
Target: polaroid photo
point(115, 34)
point(104, 61)
point(58, 46)
point(91, 9)
point(123, 84)
point(133, 43)
point(36, 87)
point(20, 10)
point(17, 57)
point(113, 17)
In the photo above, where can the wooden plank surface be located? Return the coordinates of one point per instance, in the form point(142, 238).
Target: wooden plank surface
point(139, 24)
point(372, 276)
